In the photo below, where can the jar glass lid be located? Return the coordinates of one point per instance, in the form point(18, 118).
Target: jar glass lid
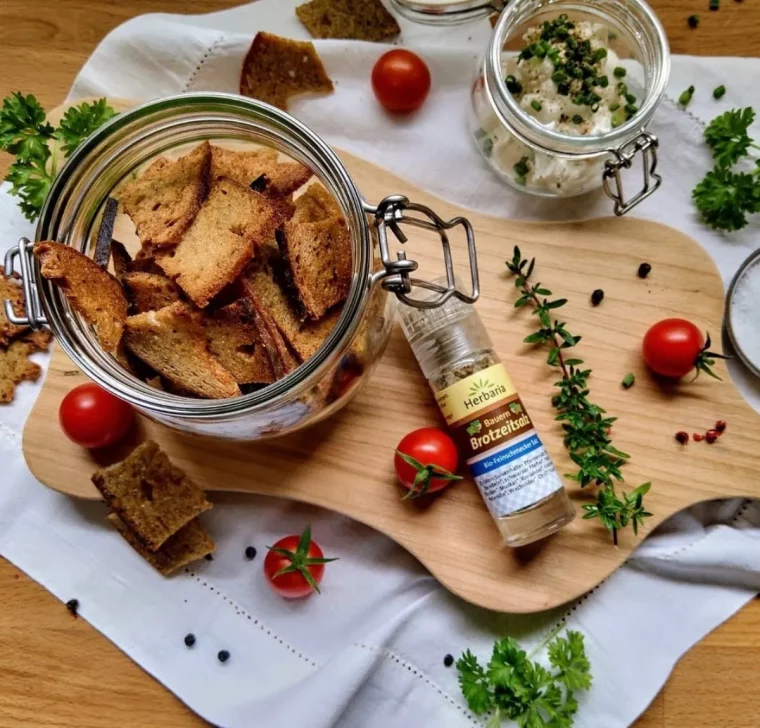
point(447, 12)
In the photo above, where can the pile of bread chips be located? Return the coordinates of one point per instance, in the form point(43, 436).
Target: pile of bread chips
point(237, 281)
point(17, 342)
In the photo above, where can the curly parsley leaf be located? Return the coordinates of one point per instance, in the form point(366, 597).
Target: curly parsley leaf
point(474, 684)
point(727, 136)
point(23, 129)
point(725, 198)
point(30, 181)
point(568, 655)
point(80, 121)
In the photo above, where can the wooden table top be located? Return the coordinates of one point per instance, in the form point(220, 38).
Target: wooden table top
point(58, 671)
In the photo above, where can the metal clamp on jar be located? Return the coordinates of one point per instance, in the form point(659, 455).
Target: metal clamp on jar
point(323, 383)
point(565, 136)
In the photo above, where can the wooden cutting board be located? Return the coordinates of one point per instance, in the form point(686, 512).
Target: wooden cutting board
point(345, 463)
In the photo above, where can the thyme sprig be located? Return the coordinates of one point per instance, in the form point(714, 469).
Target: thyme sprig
point(586, 425)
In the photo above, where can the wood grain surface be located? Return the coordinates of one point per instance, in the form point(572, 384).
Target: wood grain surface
point(715, 684)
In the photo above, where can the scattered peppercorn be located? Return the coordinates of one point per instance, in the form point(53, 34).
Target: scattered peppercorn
point(720, 427)
point(597, 297)
point(644, 270)
point(223, 656)
point(628, 380)
point(73, 606)
point(209, 557)
point(714, 4)
point(685, 98)
point(189, 640)
point(693, 21)
point(250, 553)
point(697, 437)
point(682, 437)
point(448, 661)
point(719, 92)
point(711, 436)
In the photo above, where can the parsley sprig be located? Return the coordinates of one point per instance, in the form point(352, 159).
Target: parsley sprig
point(513, 686)
point(25, 133)
point(586, 425)
point(726, 196)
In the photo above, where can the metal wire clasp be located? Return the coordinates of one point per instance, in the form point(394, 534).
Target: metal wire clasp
point(21, 254)
point(396, 276)
point(646, 144)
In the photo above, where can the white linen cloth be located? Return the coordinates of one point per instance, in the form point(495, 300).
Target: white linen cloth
point(368, 652)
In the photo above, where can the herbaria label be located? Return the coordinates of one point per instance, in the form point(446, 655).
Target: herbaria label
point(495, 435)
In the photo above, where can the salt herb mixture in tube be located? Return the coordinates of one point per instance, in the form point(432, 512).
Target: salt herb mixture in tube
point(488, 421)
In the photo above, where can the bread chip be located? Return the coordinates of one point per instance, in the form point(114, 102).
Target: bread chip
point(93, 292)
point(15, 368)
point(122, 260)
point(305, 338)
point(150, 291)
point(221, 240)
point(350, 19)
point(40, 340)
point(173, 342)
point(283, 360)
point(150, 495)
point(314, 205)
point(280, 178)
point(10, 289)
point(318, 260)
point(277, 68)
point(164, 200)
point(105, 233)
point(190, 543)
point(233, 338)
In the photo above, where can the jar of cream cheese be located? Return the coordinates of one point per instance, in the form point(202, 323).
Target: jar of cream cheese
point(565, 93)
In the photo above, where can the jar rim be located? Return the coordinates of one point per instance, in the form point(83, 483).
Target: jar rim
point(536, 135)
point(155, 120)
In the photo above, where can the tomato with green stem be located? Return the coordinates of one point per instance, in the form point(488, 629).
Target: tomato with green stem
point(426, 461)
point(295, 565)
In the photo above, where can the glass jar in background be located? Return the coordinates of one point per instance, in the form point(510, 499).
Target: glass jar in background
point(532, 140)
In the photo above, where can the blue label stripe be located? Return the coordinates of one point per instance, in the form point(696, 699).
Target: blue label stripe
point(504, 456)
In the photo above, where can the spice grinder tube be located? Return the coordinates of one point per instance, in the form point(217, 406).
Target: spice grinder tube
point(488, 421)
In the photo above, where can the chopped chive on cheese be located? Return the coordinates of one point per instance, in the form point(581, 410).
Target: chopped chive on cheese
point(719, 92)
point(521, 169)
point(619, 72)
point(685, 97)
point(535, 105)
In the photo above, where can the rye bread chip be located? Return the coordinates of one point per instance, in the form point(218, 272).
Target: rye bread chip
point(259, 169)
point(221, 241)
point(10, 289)
point(92, 292)
point(15, 368)
point(275, 69)
point(317, 256)
point(164, 200)
point(349, 19)
point(314, 205)
point(150, 291)
point(150, 494)
point(190, 543)
point(172, 341)
point(282, 358)
point(234, 340)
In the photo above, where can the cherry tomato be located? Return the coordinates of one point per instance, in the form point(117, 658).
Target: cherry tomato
point(295, 565)
point(92, 417)
point(401, 81)
point(426, 461)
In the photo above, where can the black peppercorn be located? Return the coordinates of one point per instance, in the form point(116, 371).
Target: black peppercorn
point(209, 557)
point(448, 661)
point(644, 270)
point(223, 656)
point(250, 553)
point(73, 606)
point(189, 639)
point(597, 297)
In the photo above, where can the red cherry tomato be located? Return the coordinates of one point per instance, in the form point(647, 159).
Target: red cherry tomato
point(421, 456)
point(401, 81)
point(295, 565)
point(673, 347)
point(92, 417)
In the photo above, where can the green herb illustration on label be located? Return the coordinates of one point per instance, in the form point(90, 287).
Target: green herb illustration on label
point(516, 408)
point(474, 428)
point(479, 386)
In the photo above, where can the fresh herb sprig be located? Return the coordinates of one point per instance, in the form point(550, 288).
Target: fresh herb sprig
point(25, 133)
point(512, 686)
point(726, 196)
point(586, 425)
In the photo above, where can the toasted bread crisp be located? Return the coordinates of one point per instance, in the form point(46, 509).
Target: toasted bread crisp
point(303, 337)
point(173, 342)
point(279, 178)
point(318, 260)
point(350, 19)
point(221, 240)
point(233, 338)
point(282, 358)
point(190, 543)
point(164, 200)
point(150, 291)
point(93, 292)
point(15, 368)
point(122, 260)
point(275, 69)
point(150, 495)
point(10, 289)
point(315, 205)
point(40, 340)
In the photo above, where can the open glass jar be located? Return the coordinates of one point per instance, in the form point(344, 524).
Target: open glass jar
point(324, 382)
point(542, 129)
